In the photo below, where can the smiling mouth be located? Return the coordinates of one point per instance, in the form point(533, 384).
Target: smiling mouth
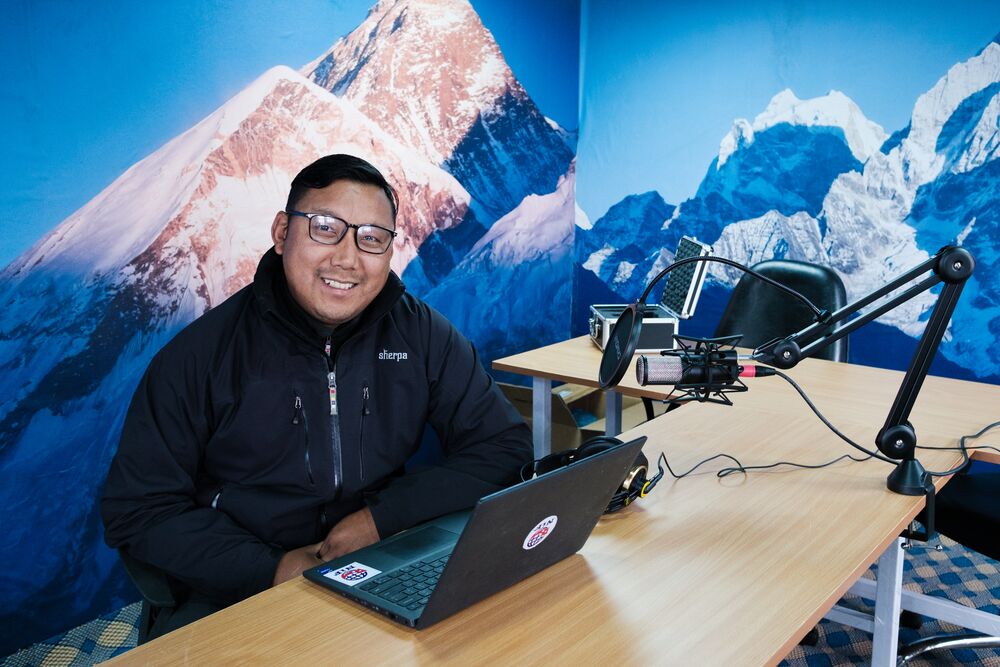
point(336, 284)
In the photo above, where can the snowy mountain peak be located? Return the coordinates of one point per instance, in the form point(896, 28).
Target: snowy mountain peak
point(421, 69)
point(932, 126)
point(119, 223)
point(215, 187)
point(739, 136)
point(432, 76)
point(541, 225)
point(995, 40)
point(835, 109)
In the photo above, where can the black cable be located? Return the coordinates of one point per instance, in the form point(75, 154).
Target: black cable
point(739, 467)
point(743, 469)
point(728, 262)
point(698, 465)
point(964, 449)
point(826, 421)
point(995, 449)
point(962, 446)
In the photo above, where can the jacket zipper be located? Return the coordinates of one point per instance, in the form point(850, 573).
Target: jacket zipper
point(300, 417)
point(361, 437)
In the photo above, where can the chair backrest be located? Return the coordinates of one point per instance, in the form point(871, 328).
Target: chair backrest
point(762, 312)
point(155, 588)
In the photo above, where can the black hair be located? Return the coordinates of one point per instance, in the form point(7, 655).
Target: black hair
point(340, 167)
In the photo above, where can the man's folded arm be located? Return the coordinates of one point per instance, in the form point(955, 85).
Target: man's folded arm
point(485, 442)
point(149, 505)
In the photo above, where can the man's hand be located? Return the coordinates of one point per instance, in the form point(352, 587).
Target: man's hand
point(295, 562)
point(350, 534)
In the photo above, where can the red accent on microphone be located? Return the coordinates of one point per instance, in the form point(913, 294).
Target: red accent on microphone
point(755, 371)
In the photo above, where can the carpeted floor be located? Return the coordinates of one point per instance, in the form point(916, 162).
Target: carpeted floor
point(955, 572)
point(90, 643)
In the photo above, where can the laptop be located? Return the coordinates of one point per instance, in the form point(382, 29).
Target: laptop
point(431, 571)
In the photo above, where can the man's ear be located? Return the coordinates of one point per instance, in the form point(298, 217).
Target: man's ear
point(279, 230)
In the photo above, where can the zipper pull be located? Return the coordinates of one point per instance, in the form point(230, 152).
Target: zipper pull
point(331, 383)
point(298, 410)
point(364, 401)
point(327, 347)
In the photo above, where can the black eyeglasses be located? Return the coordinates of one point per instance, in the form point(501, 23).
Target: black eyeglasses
point(329, 230)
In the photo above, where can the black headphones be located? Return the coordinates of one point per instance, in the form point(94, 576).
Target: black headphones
point(635, 485)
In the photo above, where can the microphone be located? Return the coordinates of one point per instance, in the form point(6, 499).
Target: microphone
point(707, 371)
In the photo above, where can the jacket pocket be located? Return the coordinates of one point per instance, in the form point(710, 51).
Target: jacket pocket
point(361, 430)
point(299, 419)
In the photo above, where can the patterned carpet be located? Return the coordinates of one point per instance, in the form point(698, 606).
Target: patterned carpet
point(90, 643)
point(956, 573)
point(966, 576)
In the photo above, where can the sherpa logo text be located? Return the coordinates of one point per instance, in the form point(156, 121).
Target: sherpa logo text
point(391, 356)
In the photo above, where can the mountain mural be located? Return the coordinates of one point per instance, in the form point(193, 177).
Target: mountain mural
point(491, 237)
point(624, 247)
point(817, 181)
point(458, 103)
point(88, 305)
point(512, 290)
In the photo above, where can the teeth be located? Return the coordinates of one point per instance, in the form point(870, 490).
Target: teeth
point(338, 285)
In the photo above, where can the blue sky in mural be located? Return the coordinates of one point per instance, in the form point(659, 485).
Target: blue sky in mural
point(664, 82)
point(79, 111)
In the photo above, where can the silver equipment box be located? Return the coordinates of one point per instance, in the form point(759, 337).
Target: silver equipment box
point(680, 296)
point(658, 326)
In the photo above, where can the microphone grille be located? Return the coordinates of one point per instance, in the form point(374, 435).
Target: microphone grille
point(658, 370)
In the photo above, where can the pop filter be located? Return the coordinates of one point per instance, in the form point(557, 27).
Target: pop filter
point(623, 340)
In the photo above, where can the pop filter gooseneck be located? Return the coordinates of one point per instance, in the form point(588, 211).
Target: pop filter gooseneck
point(621, 346)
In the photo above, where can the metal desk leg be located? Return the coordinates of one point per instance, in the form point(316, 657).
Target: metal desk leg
point(927, 605)
point(612, 413)
point(541, 416)
point(889, 597)
point(888, 589)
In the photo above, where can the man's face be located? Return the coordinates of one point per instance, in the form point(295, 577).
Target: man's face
point(334, 283)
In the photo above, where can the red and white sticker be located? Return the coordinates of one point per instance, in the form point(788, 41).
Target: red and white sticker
point(353, 574)
point(540, 532)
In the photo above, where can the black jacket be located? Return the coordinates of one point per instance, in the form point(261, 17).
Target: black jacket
point(230, 454)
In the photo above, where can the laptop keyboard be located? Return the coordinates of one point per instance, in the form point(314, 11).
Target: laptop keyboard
point(410, 586)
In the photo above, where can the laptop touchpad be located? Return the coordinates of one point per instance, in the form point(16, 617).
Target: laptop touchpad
point(419, 542)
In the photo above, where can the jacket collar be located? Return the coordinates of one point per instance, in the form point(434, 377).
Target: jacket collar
point(271, 291)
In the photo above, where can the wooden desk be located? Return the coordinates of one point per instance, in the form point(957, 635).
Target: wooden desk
point(705, 571)
point(575, 360)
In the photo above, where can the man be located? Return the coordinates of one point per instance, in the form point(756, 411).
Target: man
point(271, 434)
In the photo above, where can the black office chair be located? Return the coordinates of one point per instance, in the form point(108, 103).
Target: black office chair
point(968, 511)
point(156, 590)
point(762, 312)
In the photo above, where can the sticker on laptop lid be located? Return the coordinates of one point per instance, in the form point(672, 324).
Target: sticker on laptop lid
point(352, 574)
point(540, 532)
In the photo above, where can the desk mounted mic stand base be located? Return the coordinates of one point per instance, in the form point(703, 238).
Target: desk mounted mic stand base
point(908, 479)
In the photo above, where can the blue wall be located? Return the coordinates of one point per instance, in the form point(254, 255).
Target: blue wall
point(146, 172)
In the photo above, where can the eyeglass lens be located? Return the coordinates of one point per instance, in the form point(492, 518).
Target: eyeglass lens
point(330, 230)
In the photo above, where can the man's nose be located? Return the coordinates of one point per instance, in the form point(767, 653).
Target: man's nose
point(346, 253)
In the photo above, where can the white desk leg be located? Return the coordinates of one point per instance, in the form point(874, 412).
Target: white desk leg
point(928, 605)
point(541, 416)
point(888, 590)
point(612, 413)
